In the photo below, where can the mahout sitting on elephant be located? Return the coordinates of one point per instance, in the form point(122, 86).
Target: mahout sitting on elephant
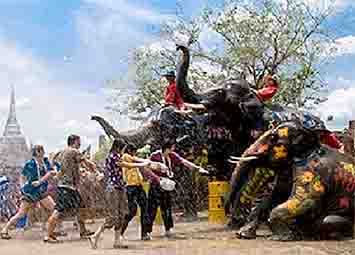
point(321, 204)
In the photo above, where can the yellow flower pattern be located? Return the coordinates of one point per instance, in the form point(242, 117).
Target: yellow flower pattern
point(283, 132)
point(318, 187)
point(307, 177)
point(292, 205)
point(348, 167)
point(280, 152)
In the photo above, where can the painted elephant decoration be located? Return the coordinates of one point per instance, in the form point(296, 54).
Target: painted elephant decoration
point(321, 204)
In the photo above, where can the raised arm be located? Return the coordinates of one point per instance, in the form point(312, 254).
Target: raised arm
point(191, 166)
point(132, 165)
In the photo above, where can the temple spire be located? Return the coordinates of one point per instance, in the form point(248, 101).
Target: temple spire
point(12, 127)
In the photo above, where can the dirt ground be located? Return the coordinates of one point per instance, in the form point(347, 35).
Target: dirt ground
point(191, 238)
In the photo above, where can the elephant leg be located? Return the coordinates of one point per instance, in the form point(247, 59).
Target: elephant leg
point(297, 216)
point(251, 209)
point(284, 219)
point(262, 208)
point(238, 182)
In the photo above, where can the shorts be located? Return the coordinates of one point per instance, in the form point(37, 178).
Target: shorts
point(68, 202)
point(116, 208)
point(33, 198)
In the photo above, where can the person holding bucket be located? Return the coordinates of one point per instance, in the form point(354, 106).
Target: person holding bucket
point(160, 194)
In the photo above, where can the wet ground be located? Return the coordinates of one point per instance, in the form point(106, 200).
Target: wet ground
point(191, 238)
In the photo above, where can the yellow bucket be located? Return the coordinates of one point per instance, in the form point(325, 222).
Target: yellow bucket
point(158, 218)
point(216, 191)
point(217, 217)
point(215, 203)
point(218, 188)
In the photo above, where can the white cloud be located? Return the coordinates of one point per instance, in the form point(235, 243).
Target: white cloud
point(48, 108)
point(340, 105)
point(345, 45)
point(108, 31)
point(127, 9)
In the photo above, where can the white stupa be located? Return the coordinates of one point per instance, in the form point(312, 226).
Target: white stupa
point(14, 149)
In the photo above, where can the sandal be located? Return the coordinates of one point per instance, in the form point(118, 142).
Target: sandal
point(93, 242)
point(50, 239)
point(120, 246)
point(5, 236)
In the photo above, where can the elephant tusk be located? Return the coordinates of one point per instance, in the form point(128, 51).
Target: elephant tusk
point(233, 162)
point(243, 158)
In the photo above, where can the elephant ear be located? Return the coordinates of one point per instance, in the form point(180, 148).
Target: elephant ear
point(292, 140)
point(260, 146)
point(273, 143)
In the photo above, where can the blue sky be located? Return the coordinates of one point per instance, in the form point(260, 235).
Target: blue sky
point(59, 53)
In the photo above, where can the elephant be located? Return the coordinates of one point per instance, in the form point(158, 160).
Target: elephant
point(233, 105)
point(321, 203)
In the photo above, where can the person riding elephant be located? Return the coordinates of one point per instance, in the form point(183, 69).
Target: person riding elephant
point(321, 202)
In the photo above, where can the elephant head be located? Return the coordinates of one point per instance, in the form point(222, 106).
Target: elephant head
point(224, 102)
point(273, 154)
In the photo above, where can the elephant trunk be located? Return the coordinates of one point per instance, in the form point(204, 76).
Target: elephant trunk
point(137, 137)
point(188, 95)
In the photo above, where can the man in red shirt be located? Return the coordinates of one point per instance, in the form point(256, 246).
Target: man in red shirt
point(330, 139)
point(172, 94)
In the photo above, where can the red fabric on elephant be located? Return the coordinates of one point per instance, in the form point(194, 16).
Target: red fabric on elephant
point(331, 140)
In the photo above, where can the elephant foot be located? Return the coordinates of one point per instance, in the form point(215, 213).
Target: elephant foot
point(335, 227)
point(248, 231)
point(283, 232)
point(284, 237)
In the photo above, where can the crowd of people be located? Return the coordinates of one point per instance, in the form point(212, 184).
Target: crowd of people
point(124, 176)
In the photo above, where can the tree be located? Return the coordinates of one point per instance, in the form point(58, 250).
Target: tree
point(283, 37)
point(255, 37)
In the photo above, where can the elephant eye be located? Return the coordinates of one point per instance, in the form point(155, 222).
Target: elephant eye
point(273, 138)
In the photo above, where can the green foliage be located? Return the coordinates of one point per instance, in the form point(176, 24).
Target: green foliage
point(102, 152)
point(256, 37)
